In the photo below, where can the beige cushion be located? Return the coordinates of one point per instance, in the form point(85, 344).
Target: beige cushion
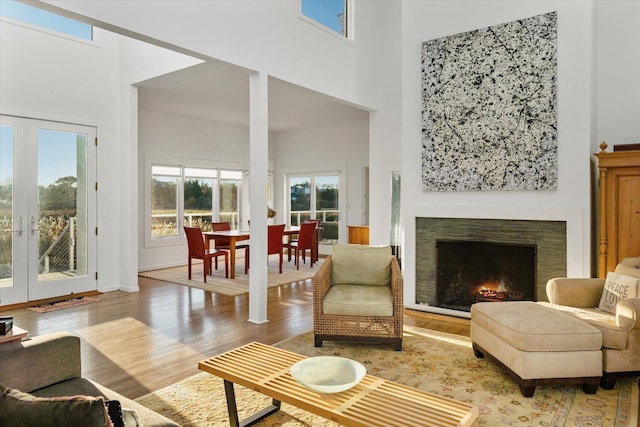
point(616, 288)
point(612, 335)
point(358, 300)
point(529, 326)
point(629, 267)
point(360, 265)
point(19, 409)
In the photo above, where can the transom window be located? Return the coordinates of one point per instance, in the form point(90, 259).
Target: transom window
point(331, 14)
point(41, 18)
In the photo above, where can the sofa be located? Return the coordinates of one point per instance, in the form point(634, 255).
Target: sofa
point(41, 384)
point(594, 302)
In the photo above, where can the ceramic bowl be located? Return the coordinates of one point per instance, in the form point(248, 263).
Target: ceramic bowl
point(328, 374)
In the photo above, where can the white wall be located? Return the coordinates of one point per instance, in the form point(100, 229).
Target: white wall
point(341, 146)
point(265, 36)
point(194, 142)
point(52, 77)
point(422, 21)
point(617, 68)
point(47, 76)
point(379, 71)
point(183, 141)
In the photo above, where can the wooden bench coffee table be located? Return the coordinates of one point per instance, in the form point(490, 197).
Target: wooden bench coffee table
point(373, 402)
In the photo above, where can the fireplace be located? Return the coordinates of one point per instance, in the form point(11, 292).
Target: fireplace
point(547, 238)
point(474, 271)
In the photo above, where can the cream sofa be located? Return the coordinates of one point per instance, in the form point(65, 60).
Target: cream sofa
point(620, 331)
point(49, 366)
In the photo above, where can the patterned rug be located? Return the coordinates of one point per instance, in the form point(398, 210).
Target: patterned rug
point(432, 361)
point(74, 302)
point(216, 282)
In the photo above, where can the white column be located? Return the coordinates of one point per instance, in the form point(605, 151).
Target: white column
point(258, 165)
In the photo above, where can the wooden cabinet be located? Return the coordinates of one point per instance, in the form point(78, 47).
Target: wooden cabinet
point(358, 234)
point(619, 207)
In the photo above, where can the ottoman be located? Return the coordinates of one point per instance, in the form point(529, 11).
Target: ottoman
point(537, 344)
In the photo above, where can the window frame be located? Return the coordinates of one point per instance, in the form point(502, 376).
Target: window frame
point(313, 173)
point(179, 239)
point(348, 22)
point(52, 31)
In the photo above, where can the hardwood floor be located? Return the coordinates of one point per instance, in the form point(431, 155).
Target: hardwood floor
point(135, 343)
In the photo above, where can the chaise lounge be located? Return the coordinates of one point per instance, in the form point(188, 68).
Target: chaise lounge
point(587, 333)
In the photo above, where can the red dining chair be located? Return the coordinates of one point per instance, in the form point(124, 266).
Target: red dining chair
point(274, 242)
point(290, 244)
point(224, 243)
point(314, 252)
point(304, 242)
point(198, 251)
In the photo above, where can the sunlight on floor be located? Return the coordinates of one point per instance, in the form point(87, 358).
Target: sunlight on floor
point(141, 344)
point(440, 336)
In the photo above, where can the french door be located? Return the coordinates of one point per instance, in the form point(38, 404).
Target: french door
point(318, 196)
point(47, 209)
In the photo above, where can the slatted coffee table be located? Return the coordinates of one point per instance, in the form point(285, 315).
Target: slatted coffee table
point(373, 402)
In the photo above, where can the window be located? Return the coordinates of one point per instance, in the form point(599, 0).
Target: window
point(331, 14)
point(164, 200)
point(316, 196)
point(199, 196)
point(228, 198)
point(41, 18)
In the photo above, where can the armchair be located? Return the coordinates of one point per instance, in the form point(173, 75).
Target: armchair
point(620, 330)
point(358, 296)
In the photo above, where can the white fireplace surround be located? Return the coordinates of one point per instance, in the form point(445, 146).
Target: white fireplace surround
point(578, 238)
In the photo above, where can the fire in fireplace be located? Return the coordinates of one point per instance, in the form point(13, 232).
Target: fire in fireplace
point(472, 271)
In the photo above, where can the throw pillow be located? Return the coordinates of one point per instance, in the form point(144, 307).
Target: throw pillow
point(19, 409)
point(617, 287)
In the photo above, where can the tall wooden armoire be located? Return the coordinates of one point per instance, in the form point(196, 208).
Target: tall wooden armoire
point(619, 207)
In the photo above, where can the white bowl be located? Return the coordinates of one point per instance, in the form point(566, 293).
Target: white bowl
point(328, 374)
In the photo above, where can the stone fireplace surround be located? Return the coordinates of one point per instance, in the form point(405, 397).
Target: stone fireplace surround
point(548, 236)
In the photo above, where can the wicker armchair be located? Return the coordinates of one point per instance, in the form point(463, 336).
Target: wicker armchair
point(362, 314)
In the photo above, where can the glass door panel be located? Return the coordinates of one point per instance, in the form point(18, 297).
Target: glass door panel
point(6, 209)
point(13, 244)
point(327, 208)
point(47, 210)
point(299, 200)
point(318, 196)
point(62, 204)
point(6, 205)
point(61, 230)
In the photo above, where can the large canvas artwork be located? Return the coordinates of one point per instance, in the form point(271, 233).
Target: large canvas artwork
point(489, 118)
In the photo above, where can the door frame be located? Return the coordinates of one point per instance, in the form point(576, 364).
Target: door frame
point(26, 286)
point(311, 171)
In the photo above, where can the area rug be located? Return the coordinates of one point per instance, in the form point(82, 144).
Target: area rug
point(432, 361)
point(216, 282)
point(74, 302)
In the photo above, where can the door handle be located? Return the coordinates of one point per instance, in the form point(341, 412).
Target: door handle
point(18, 230)
point(34, 225)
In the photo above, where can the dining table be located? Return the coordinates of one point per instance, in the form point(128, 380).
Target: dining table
point(235, 236)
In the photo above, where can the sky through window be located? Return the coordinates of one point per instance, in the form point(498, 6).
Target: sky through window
point(41, 18)
point(330, 13)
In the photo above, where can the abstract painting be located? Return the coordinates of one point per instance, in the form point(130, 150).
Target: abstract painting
point(489, 118)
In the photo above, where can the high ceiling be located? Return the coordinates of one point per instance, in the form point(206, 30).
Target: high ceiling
point(220, 92)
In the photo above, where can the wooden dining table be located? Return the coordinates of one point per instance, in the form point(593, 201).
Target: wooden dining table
point(235, 236)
